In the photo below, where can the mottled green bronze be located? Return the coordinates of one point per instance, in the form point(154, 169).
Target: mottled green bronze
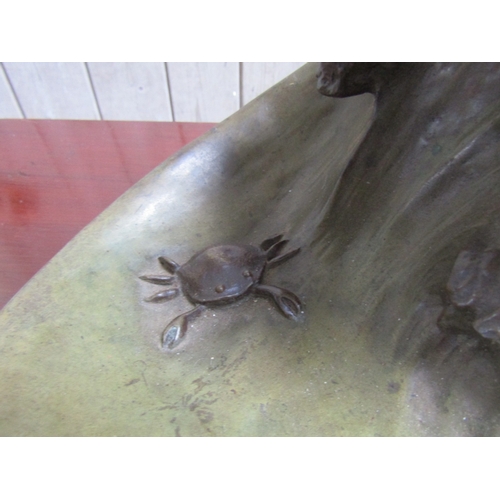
point(80, 347)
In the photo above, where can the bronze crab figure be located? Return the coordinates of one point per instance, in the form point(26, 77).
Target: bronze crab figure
point(222, 274)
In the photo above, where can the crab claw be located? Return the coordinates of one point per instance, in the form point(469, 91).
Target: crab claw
point(174, 332)
point(176, 329)
point(288, 303)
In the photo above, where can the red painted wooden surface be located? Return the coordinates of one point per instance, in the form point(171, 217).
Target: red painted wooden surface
point(56, 176)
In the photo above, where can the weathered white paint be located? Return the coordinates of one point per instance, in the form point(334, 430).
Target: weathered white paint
point(206, 92)
point(8, 104)
point(131, 91)
point(53, 90)
point(257, 77)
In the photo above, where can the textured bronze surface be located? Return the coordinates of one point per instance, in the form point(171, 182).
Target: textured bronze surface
point(381, 194)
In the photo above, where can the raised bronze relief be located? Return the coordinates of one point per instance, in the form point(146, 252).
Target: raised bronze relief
point(474, 293)
point(222, 274)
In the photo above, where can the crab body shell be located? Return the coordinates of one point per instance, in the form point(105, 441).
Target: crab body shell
point(222, 273)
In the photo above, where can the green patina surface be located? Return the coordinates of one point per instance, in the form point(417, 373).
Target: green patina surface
point(80, 348)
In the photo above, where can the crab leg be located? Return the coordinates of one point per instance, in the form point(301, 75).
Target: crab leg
point(164, 295)
point(276, 249)
point(273, 246)
point(282, 258)
point(158, 280)
point(176, 329)
point(287, 301)
point(267, 244)
point(168, 264)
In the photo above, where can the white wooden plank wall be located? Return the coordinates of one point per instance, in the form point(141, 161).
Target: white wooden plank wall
point(194, 92)
point(204, 92)
point(8, 103)
point(258, 77)
point(131, 91)
point(53, 90)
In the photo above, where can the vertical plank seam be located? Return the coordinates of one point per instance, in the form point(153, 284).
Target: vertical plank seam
point(170, 92)
point(241, 83)
point(13, 90)
point(96, 101)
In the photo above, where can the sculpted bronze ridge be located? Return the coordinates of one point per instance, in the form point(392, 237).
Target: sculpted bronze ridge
point(471, 296)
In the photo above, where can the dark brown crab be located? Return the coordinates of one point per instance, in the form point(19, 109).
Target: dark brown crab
point(219, 275)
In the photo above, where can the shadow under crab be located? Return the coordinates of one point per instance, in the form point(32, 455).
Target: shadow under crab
point(219, 275)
